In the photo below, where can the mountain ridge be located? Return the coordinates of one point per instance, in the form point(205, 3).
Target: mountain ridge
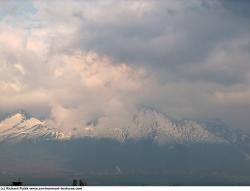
point(19, 127)
point(147, 123)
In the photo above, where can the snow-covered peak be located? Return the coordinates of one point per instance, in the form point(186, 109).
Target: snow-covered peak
point(21, 127)
point(12, 121)
point(149, 123)
point(33, 122)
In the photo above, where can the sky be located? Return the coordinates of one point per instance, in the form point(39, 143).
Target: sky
point(72, 61)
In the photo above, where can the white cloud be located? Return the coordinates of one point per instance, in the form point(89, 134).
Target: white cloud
point(86, 86)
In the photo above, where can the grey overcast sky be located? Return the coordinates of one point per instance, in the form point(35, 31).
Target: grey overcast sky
point(74, 61)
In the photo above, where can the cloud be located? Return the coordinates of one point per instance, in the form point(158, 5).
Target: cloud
point(97, 62)
point(87, 87)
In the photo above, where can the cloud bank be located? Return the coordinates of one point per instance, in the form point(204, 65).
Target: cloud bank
point(73, 62)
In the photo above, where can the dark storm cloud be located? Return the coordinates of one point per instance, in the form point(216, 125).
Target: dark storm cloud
point(168, 36)
point(239, 7)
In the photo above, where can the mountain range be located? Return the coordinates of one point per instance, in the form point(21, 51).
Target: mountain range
point(147, 123)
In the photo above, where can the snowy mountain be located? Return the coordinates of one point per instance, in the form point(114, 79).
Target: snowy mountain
point(232, 135)
point(150, 123)
point(20, 126)
point(147, 124)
